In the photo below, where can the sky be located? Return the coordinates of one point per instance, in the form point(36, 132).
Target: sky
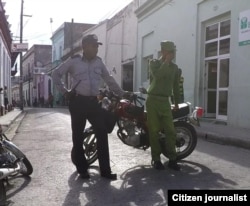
point(43, 17)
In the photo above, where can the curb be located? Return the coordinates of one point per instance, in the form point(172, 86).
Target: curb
point(11, 129)
point(225, 140)
point(10, 118)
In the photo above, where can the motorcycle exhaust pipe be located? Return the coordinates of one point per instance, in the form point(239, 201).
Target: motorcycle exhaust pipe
point(4, 172)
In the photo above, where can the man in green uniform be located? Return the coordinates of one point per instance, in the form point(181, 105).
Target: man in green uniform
point(165, 81)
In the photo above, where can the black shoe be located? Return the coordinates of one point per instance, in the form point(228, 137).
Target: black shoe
point(174, 166)
point(158, 165)
point(84, 175)
point(110, 176)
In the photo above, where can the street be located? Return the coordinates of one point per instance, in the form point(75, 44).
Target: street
point(45, 137)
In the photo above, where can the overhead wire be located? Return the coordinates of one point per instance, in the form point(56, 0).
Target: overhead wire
point(111, 13)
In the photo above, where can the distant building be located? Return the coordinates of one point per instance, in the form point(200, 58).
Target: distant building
point(37, 84)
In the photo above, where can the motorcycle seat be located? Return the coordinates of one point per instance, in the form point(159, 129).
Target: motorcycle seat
point(181, 112)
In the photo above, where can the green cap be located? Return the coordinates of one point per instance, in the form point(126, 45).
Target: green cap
point(168, 45)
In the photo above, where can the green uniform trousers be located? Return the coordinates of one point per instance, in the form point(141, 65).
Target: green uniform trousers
point(159, 116)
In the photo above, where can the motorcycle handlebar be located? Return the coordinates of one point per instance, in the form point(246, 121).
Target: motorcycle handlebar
point(141, 98)
point(128, 95)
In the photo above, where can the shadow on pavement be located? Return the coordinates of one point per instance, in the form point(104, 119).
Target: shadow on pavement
point(12, 188)
point(143, 186)
point(47, 111)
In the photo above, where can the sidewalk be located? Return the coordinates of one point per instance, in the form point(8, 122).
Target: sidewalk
point(8, 119)
point(209, 130)
point(220, 133)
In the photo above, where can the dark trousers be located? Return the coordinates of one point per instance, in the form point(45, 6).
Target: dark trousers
point(82, 109)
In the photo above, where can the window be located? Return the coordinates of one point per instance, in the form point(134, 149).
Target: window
point(145, 68)
point(212, 32)
point(225, 28)
point(217, 39)
point(217, 59)
point(211, 49)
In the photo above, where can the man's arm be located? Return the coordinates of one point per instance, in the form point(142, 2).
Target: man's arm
point(57, 76)
point(110, 81)
point(154, 66)
point(176, 88)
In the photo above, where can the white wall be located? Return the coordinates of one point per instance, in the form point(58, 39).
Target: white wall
point(114, 50)
point(118, 36)
point(99, 30)
point(57, 45)
point(5, 70)
point(174, 22)
point(239, 95)
point(121, 40)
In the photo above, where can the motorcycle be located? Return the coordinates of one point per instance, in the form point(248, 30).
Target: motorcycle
point(12, 162)
point(129, 116)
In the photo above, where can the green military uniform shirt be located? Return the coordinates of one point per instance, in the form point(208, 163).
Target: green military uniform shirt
point(165, 80)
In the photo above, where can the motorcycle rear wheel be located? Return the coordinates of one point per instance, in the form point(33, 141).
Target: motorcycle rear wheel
point(186, 140)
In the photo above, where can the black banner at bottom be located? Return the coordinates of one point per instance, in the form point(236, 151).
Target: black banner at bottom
point(209, 197)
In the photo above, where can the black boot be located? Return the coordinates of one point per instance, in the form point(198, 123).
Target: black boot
point(173, 165)
point(84, 175)
point(158, 165)
point(109, 175)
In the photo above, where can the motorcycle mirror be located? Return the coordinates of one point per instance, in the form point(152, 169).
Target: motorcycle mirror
point(143, 90)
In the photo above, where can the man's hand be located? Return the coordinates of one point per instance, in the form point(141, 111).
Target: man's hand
point(176, 107)
point(128, 95)
point(69, 95)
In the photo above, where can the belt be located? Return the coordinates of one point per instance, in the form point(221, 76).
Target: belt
point(86, 97)
point(158, 97)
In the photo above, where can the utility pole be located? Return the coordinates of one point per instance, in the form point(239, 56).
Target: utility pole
point(21, 59)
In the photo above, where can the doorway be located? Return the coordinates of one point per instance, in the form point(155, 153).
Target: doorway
point(127, 77)
point(217, 58)
point(217, 73)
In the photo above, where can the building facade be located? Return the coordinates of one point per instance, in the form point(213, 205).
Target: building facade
point(212, 39)
point(5, 58)
point(36, 83)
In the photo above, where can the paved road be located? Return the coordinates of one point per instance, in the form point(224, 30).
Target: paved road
point(44, 136)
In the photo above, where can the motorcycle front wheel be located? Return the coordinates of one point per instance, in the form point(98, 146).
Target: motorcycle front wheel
point(17, 157)
point(89, 146)
point(3, 197)
point(186, 140)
